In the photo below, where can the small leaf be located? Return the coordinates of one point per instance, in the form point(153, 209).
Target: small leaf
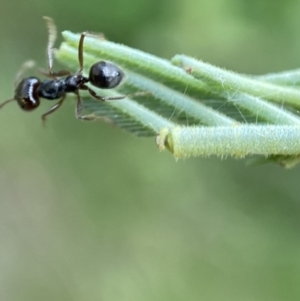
point(194, 108)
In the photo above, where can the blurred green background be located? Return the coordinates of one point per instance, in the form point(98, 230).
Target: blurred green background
point(89, 212)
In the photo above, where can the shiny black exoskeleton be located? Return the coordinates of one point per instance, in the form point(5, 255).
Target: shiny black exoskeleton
point(104, 75)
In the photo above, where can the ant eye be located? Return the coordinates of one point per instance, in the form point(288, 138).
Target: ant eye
point(26, 93)
point(105, 75)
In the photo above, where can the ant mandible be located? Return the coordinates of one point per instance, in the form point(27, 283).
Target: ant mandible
point(104, 75)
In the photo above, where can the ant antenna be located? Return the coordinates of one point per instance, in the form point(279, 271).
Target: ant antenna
point(5, 102)
point(27, 65)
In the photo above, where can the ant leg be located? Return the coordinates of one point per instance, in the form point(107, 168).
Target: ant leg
point(80, 52)
point(94, 35)
point(53, 109)
point(79, 107)
point(54, 74)
point(27, 65)
point(93, 93)
point(92, 116)
point(52, 33)
point(80, 47)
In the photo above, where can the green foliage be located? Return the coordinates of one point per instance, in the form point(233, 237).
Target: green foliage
point(194, 108)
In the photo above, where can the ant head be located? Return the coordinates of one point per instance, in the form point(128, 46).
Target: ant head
point(105, 75)
point(26, 93)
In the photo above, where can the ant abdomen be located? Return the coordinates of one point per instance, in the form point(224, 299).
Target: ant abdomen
point(105, 75)
point(26, 93)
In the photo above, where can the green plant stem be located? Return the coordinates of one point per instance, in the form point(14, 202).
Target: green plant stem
point(172, 87)
point(258, 106)
point(237, 141)
point(285, 78)
point(146, 64)
point(133, 116)
point(233, 81)
point(171, 97)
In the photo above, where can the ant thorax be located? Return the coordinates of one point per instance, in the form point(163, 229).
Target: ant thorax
point(56, 88)
point(52, 89)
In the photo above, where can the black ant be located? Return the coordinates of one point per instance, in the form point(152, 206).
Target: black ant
point(104, 75)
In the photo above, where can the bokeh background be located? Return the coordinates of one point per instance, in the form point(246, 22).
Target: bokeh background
point(89, 212)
